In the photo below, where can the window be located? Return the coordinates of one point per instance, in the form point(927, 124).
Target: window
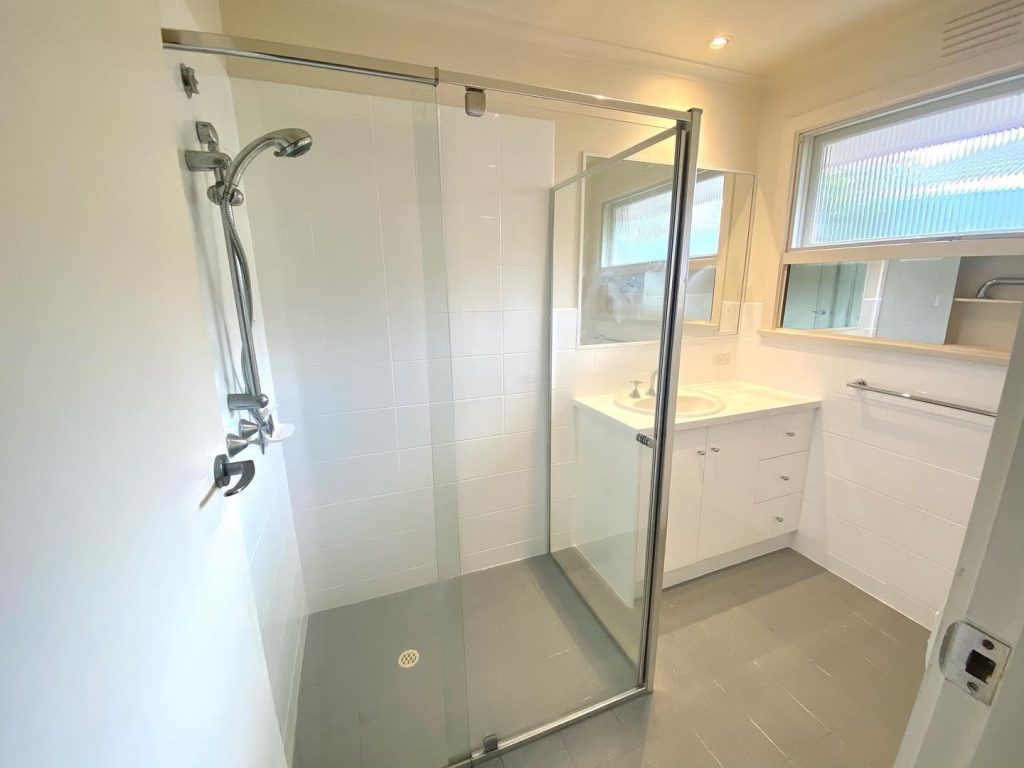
point(949, 167)
point(635, 226)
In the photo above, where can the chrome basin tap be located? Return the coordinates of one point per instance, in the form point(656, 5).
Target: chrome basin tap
point(651, 390)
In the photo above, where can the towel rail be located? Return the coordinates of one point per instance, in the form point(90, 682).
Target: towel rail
point(862, 384)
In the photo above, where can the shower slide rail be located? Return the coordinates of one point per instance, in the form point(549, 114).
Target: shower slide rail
point(862, 384)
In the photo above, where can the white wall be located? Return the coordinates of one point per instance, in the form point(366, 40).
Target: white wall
point(891, 484)
point(131, 634)
point(265, 507)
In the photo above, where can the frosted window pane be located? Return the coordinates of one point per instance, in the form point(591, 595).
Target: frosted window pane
point(952, 172)
point(638, 226)
point(706, 227)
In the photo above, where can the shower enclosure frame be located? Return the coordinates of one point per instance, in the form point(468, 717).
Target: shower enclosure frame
point(686, 130)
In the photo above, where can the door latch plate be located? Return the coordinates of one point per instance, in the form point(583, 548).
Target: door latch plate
point(973, 660)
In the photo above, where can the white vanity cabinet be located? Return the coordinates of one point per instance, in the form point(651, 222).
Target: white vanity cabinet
point(735, 484)
point(737, 480)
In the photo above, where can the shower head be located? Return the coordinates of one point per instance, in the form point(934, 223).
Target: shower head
point(292, 142)
point(286, 142)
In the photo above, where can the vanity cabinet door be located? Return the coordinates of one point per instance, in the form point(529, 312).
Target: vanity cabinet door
point(685, 494)
point(730, 487)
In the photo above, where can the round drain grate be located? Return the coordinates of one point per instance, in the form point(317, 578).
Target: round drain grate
point(408, 658)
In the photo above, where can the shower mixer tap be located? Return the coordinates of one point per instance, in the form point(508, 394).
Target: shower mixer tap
point(224, 470)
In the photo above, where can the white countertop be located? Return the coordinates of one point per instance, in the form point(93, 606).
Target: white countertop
point(741, 399)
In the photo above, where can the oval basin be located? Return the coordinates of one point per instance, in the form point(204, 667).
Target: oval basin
point(688, 404)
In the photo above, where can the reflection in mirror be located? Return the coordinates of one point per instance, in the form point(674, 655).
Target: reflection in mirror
point(927, 300)
point(624, 217)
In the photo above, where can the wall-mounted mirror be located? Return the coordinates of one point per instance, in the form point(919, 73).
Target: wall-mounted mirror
point(624, 214)
point(974, 301)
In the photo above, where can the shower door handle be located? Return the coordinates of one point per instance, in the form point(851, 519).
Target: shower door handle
point(224, 470)
point(645, 440)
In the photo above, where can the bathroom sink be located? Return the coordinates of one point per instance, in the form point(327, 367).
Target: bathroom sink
point(688, 404)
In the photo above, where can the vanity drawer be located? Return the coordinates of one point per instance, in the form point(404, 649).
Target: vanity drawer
point(778, 516)
point(786, 433)
point(781, 476)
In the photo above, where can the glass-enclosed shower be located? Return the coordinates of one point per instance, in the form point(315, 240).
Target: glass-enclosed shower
point(476, 542)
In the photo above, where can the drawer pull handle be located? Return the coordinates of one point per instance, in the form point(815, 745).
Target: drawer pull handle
point(791, 434)
point(701, 452)
point(715, 450)
point(785, 477)
point(780, 519)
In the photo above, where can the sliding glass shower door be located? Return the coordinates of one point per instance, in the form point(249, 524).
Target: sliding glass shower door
point(350, 258)
point(467, 348)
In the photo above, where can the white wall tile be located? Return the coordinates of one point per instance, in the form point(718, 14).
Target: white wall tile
point(355, 338)
point(915, 530)
point(411, 383)
point(413, 426)
point(564, 333)
point(524, 331)
point(478, 418)
point(416, 468)
point(527, 173)
point(475, 333)
point(522, 287)
point(524, 450)
point(509, 553)
point(474, 377)
point(523, 372)
point(408, 337)
point(473, 287)
point(496, 529)
point(942, 492)
point(480, 458)
point(525, 412)
point(316, 390)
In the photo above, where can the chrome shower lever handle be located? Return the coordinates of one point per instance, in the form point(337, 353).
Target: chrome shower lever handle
point(224, 470)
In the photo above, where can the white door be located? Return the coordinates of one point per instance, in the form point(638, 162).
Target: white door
point(730, 485)
point(688, 456)
point(949, 727)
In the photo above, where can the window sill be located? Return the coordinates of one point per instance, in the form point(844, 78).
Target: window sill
point(948, 351)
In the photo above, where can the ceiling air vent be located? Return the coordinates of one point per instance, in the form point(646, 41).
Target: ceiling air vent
point(979, 27)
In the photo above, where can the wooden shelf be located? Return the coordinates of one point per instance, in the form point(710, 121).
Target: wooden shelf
point(993, 302)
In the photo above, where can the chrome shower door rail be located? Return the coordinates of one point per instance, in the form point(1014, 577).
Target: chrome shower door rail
point(862, 384)
point(338, 61)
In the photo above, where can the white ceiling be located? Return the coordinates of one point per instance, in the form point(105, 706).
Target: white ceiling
point(765, 32)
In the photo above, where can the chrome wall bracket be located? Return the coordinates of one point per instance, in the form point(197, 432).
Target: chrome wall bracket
point(476, 102)
point(189, 81)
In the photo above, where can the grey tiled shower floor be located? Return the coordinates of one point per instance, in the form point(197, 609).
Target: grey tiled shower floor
point(774, 662)
point(532, 652)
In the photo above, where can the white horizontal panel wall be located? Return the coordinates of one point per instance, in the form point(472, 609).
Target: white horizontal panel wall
point(890, 483)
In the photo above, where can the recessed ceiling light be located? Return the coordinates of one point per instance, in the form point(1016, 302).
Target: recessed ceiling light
point(719, 42)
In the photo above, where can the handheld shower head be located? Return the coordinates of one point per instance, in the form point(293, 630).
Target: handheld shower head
point(286, 142)
point(292, 142)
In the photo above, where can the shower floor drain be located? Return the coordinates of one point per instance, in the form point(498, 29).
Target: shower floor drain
point(408, 658)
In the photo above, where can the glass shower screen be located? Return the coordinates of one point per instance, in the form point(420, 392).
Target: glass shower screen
point(470, 503)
